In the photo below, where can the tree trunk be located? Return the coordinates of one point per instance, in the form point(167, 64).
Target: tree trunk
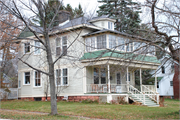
point(51, 76)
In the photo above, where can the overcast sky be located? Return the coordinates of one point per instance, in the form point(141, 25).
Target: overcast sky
point(87, 5)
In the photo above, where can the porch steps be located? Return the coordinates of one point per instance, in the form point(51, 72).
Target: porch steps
point(148, 101)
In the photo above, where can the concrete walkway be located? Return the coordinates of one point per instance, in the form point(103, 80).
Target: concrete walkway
point(42, 113)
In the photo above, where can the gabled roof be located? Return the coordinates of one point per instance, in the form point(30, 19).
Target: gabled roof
point(119, 54)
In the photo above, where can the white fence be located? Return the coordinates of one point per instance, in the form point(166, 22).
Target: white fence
point(12, 95)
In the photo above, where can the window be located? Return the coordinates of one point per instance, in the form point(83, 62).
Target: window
point(99, 76)
point(90, 44)
point(129, 45)
point(102, 24)
point(96, 76)
point(157, 84)
point(27, 47)
point(118, 75)
point(61, 49)
point(121, 43)
point(62, 76)
point(58, 46)
point(65, 78)
point(110, 25)
point(27, 78)
point(112, 41)
point(37, 47)
point(103, 76)
point(171, 83)
point(101, 41)
point(58, 77)
point(163, 69)
point(137, 45)
point(64, 45)
point(37, 78)
point(151, 50)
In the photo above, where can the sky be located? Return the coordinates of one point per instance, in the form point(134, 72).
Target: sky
point(88, 6)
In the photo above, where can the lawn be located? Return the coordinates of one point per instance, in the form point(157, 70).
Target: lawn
point(94, 110)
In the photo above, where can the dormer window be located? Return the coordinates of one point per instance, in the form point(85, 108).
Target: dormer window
point(110, 25)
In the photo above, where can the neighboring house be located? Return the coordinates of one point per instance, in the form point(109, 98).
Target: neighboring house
point(90, 68)
point(165, 73)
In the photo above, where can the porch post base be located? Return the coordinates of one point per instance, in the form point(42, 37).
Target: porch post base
point(109, 98)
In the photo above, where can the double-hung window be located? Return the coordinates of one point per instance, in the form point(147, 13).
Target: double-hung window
point(58, 46)
point(37, 78)
point(27, 78)
point(27, 47)
point(101, 41)
point(61, 45)
point(90, 44)
point(62, 76)
point(103, 76)
point(110, 25)
point(112, 41)
point(137, 45)
point(121, 43)
point(96, 75)
point(171, 83)
point(37, 47)
point(65, 77)
point(64, 45)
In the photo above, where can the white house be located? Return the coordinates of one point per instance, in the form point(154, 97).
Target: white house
point(166, 73)
point(100, 63)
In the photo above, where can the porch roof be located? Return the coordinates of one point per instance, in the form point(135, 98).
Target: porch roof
point(119, 54)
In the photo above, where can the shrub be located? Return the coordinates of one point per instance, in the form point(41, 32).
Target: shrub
point(121, 100)
point(90, 101)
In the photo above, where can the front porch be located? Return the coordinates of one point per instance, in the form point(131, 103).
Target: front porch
point(115, 80)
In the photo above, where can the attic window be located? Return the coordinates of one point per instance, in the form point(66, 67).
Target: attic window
point(110, 25)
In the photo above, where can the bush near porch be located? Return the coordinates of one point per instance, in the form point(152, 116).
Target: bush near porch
point(95, 110)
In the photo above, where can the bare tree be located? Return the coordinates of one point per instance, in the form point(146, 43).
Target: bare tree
point(162, 17)
point(40, 9)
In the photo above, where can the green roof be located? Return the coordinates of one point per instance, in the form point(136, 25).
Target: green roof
point(121, 55)
point(26, 33)
point(153, 79)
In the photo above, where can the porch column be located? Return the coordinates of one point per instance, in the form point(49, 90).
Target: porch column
point(84, 80)
point(155, 82)
point(140, 72)
point(127, 76)
point(109, 90)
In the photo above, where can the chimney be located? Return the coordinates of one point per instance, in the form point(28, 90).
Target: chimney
point(63, 16)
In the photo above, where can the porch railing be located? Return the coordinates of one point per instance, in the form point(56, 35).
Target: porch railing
point(146, 88)
point(151, 93)
point(103, 88)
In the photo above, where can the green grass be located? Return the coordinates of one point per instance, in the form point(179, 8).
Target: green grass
point(170, 111)
point(18, 115)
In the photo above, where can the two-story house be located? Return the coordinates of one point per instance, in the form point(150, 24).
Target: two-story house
point(99, 63)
